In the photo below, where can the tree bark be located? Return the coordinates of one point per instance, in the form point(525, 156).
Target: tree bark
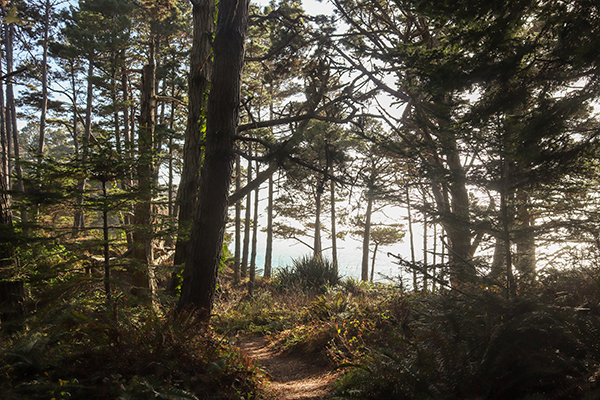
point(79, 217)
point(373, 262)
point(411, 238)
point(247, 220)
point(317, 245)
point(254, 241)
point(367, 237)
point(334, 257)
point(142, 233)
point(206, 241)
point(525, 239)
point(44, 106)
point(198, 82)
point(269, 248)
point(11, 125)
point(238, 222)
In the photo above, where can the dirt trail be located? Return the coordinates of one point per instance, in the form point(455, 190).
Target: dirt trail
point(292, 376)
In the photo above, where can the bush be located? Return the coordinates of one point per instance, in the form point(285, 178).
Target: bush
point(483, 347)
point(78, 352)
point(309, 273)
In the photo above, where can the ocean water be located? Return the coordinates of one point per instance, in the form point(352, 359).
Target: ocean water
point(349, 257)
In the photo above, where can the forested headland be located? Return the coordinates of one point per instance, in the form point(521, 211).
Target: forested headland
point(138, 138)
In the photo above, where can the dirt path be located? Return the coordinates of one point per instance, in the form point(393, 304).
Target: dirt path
point(292, 376)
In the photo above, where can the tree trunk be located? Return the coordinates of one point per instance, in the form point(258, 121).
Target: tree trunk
point(317, 245)
point(206, 241)
point(106, 242)
point(238, 223)
point(373, 262)
point(269, 248)
point(367, 237)
point(79, 218)
point(504, 197)
point(411, 239)
point(11, 125)
point(425, 266)
point(6, 225)
point(128, 139)
point(142, 233)
point(44, 106)
point(247, 221)
point(525, 239)
point(200, 74)
point(254, 240)
point(334, 257)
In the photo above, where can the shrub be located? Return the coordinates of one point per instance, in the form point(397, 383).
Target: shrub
point(309, 273)
point(483, 347)
point(78, 352)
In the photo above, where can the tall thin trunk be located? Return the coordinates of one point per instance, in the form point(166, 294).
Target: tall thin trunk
point(128, 141)
point(6, 224)
point(11, 126)
point(411, 239)
point(79, 218)
point(44, 106)
point(434, 256)
point(238, 222)
point(106, 242)
point(254, 239)
point(142, 233)
point(269, 248)
point(198, 83)
point(425, 266)
point(247, 221)
point(367, 237)
point(317, 246)
point(113, 95)
point(334, 256)
point(373, 261)
point(525, 239)
point(504, 196)
point(206, 241)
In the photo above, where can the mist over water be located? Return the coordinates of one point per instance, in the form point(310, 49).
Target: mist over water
point(349, 257)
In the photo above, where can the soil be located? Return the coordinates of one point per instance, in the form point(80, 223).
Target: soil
point(292, 377)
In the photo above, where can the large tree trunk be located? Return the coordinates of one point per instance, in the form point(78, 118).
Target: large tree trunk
point(142, 233)
point(199, 79)
point(206, 241)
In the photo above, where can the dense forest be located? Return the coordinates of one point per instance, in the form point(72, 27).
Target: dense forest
point(139, 137)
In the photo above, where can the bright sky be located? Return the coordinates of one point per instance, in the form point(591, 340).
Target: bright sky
point(312, 7)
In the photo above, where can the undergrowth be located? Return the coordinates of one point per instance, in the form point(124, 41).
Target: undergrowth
point(543, 344)
point(86, 351)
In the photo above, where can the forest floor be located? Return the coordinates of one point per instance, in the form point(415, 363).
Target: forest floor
point(292, 377)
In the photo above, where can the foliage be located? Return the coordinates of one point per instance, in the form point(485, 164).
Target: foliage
point(483, 346)
point(309, 273)
point(85, 351)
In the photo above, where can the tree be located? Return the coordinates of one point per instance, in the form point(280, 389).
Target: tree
point(383, 236)
point(202, 263)
point(198, 84)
